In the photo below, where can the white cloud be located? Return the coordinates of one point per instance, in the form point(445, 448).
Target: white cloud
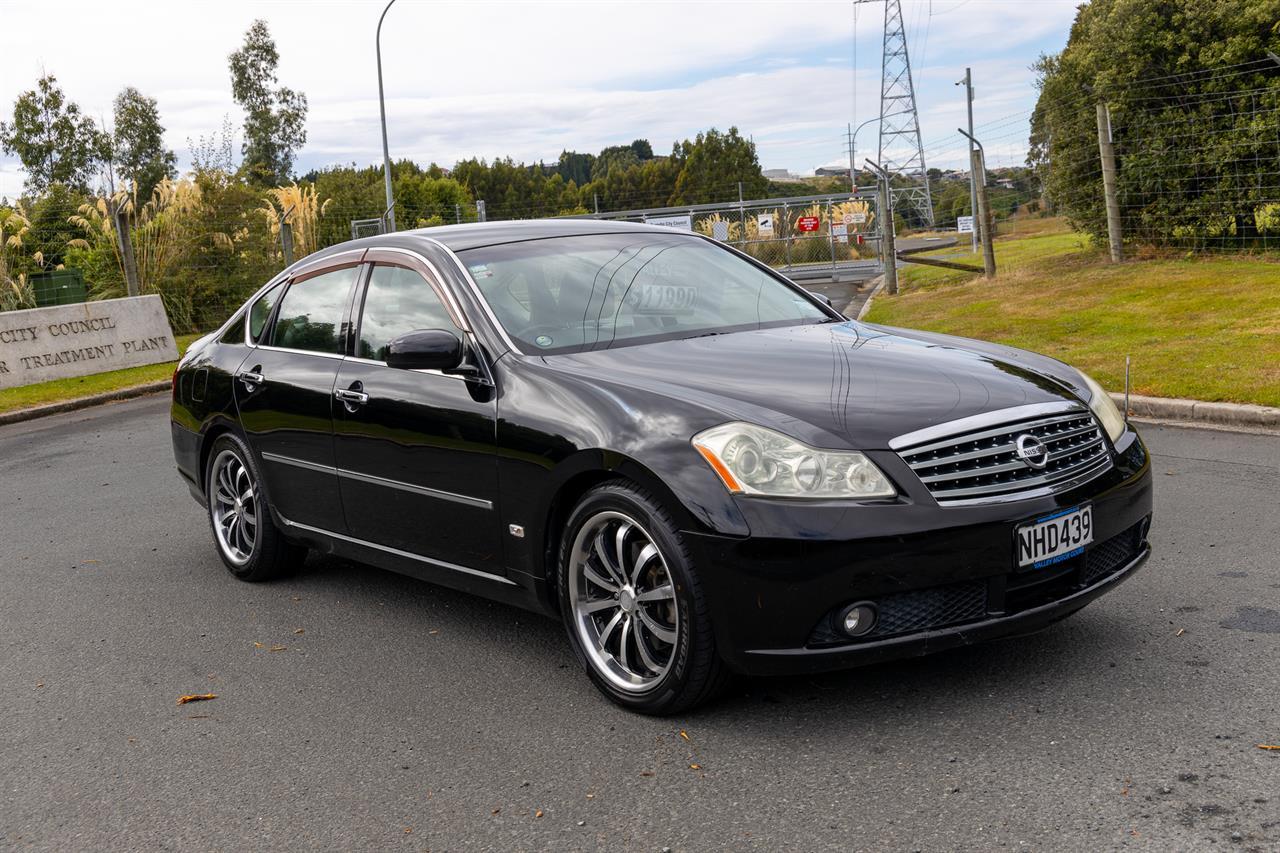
point(528, 79)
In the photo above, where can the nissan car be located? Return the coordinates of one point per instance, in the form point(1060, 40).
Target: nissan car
point(696, 465)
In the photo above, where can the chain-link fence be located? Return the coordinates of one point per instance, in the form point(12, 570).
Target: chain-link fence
point(799, 233)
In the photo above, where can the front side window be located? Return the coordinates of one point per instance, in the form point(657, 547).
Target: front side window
point(595, 291)
point(310, 315)
point(260, 311)
point(398, 300)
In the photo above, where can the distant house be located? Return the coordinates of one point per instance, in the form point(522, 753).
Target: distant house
point(832, 171)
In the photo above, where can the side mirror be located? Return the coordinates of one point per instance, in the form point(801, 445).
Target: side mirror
point(425, 349)
point(825, 300)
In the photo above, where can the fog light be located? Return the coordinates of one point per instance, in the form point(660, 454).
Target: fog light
point(858, 619)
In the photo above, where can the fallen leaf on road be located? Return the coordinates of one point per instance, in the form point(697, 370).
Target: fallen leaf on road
point(434, 631)
point(298, 631)
point(695, 766)
point(1269, 746)
point(408, 829)
point(278, 649)
point(87, 562)
point(495, 811)
point(646, 772)
point(257, 645)
point(196, 697)
point(538, 813)
point(684, 734)
point(1181, 631)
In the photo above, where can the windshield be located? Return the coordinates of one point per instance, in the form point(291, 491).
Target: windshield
point(595, 291)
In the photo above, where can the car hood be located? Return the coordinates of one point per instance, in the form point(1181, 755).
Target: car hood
point(833, 385)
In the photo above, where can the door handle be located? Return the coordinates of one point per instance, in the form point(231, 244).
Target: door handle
point(251, 378)
point(352, 397)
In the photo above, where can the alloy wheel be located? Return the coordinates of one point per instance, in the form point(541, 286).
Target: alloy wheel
point(234, 506)
point(625, 608)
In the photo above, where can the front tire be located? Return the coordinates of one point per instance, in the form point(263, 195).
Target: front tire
point(632, 604)
point(250, 545)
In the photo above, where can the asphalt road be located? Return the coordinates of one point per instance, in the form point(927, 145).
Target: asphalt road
point(399, 715)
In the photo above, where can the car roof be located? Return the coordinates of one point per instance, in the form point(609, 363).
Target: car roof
point(471, 235)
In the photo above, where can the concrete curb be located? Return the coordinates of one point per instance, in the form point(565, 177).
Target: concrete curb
point(866, 303)
point(132, 391)
point(1242, 415)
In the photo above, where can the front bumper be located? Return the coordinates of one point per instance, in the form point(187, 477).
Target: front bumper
point(946, 576)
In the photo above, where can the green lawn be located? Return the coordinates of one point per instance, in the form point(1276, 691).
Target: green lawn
point(1205, 327)
point(84, 386)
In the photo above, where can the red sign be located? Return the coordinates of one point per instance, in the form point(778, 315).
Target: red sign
point(808, 223)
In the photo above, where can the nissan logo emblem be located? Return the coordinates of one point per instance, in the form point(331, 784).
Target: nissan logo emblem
point(1032, 451)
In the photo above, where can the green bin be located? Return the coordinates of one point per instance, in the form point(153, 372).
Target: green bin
point(59, 287)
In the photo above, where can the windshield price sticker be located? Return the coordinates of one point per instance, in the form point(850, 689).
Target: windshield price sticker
point(662, 299)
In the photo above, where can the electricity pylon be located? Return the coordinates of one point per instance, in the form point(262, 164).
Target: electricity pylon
point(901, 151)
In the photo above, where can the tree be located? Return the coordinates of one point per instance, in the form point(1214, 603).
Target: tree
point(1192, 99)
point(613, 157)
point(55, 141)
point(642, 149)
point(274, 117)
point(137, 144)
point(714, 164)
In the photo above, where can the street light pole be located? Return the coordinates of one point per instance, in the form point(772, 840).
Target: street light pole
point(382, 107)
point(967, 82)
point(853, 143)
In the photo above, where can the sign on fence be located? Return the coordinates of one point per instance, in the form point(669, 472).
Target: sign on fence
point(964, 224)
point(40, 344)
point(841, 233)
point(684, 222)
point(764, 224)
point(855, 218)
point(808, 223)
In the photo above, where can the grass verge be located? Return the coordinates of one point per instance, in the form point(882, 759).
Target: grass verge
point(1204, 327)
point(59, 390)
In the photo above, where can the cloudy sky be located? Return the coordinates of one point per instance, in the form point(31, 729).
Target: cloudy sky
point(529, 79)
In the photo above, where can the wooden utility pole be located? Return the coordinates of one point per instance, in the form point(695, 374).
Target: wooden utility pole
point(984, 219)
point(1108, 153)
point(888, 251)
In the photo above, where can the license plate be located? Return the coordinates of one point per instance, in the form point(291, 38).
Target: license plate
point(1053, 538)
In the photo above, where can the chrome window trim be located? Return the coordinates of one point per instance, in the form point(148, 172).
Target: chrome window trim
point(269, 348)
point(430, 371)
point(397, 552)
point(476, 292)
point(454, 497)
point(1000, 417)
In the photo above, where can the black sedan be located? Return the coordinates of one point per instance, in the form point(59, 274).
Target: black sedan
point(699, 466)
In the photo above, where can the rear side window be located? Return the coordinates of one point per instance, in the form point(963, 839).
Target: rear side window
point(310, 314)
point(260, 311)
point(234, 333)
point(398, 300)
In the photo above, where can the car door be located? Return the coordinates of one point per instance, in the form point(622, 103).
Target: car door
point(415, 448)
point(284, 394)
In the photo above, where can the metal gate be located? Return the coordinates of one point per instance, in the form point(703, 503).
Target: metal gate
point(795, 235)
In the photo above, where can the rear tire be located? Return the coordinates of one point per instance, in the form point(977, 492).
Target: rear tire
point(632, 604)
point(247, 539)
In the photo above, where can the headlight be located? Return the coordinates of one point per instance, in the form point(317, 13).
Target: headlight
point(1104, 409)
point(753, 460)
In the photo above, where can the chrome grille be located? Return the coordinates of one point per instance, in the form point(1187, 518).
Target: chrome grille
point(975, 460)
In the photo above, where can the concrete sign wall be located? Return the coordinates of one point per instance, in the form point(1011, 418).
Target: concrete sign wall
point(40, 344)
